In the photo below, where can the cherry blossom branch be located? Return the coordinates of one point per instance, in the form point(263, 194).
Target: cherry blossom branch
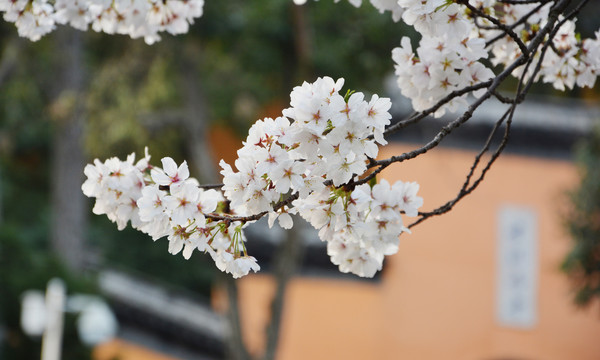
point(415, 118)
point(446, 130)
point(551, 28)
point(466, 189)
point(326, 139)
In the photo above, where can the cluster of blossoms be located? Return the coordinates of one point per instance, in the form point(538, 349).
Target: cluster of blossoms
point(569, 61)
point(362, 225)
point(136, 18)
point(306, 162)
point(167, 202)
point(447, 58)
point(454, 41)
point(317, 157)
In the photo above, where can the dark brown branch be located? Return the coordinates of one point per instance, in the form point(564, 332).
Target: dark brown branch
point(210, 186)
point(503, 99)
point(446, 130)
point(415, 118)
point(466, 189)
point(254, 217)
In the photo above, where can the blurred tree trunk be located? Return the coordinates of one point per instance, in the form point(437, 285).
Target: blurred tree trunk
point(10, 58)
point(8, 62)
point(195, 116)
point(236, 348)
point(69, 210)
point(302, 43)
point(287, 261)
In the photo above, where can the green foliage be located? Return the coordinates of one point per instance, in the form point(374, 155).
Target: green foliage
point(124, 93)
point(256, 53)
point(582, 263)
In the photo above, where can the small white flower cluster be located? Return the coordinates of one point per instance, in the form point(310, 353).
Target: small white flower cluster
point(453, 42)
point(447, 58)
point(116, 185)
point(167, 202)
point(136, 18)
point(317, 156)
point(360, 226)
point(307, 166)
point(569, 62)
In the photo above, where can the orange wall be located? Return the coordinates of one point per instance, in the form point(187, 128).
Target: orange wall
point(437, 296)
point(118, 349)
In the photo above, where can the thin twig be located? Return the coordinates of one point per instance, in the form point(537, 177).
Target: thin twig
point(211, 186)
point(416, 117)
point(254, 217)
point(466, 189)
point(503, 99)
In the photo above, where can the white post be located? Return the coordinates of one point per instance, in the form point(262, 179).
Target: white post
point(55, 304)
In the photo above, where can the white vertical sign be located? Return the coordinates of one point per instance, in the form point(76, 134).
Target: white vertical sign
point(517, 255)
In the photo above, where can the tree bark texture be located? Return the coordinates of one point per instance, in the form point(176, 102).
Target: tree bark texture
point(69, 206)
